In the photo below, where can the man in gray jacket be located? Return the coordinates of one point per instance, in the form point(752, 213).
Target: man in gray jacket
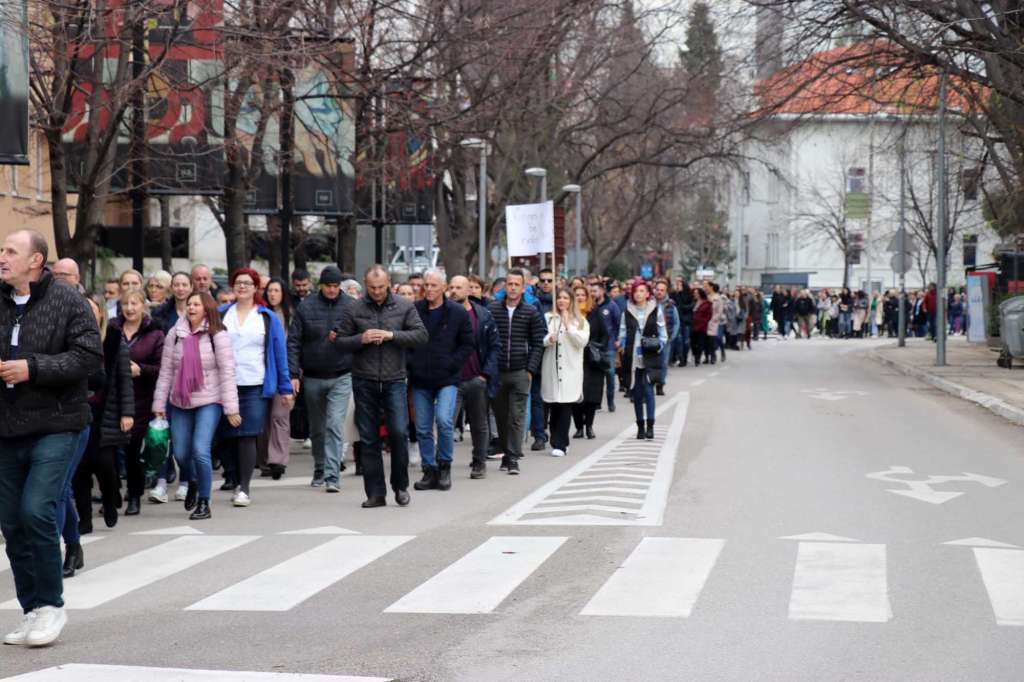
point(377, 329)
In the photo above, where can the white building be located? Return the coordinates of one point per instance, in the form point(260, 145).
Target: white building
point(826, 169)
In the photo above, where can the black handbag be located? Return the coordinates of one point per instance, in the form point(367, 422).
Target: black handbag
point(650, 344)
point(595, 356)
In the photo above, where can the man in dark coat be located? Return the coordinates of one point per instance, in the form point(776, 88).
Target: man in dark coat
point(49, 345)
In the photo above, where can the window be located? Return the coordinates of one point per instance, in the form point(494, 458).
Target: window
point(970, 181)
point(772, 252)
point(745, 187)
point(970, 250)
point(856, 181)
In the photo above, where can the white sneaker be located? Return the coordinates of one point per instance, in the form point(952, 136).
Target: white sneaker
point(20, 634)
point(414, 454)
point(158, 495)
point(558, 453)
point(307, 444)
point(46, 628)
point(179, 496)
point(240, 499)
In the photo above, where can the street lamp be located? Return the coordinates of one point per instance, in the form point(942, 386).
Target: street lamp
point(578, 191)
point(541, 173)
point(481, 199)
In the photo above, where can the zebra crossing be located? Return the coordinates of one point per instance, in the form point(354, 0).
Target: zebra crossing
point(832, 578)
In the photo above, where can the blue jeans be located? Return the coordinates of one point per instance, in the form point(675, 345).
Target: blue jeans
point(643, 393)
point(32, 471)
point(385, 402)
point(327, 407)
point(537, 421)
point(435, 404)
point(67, 515)
point(192, 433)
point(681, 344)
point(845, 322)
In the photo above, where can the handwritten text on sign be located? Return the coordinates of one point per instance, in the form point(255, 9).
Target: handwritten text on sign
point(531, 229)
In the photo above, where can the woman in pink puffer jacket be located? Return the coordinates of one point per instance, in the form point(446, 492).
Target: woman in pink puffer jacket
point(197, 376)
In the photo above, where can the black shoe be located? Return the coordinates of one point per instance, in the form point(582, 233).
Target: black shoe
point(429, 480)
point(650, 429)
point(342, 468)
point(375, 501)
point(110, 515)
point(659, 389)
point(513, 467)
point(133, 507)
point(641, 434)
point(578, 434)
point(74, 559)
point(84, 526)
point(265, 472)
point(444, 476)
point(611, 407)
point(277, 471)
point(478, 469)
point(202, 510)
point(402, 498)
point(191, 496)
point(504, 463)
point(590, 433)
point(228, 485)
point(538, 444)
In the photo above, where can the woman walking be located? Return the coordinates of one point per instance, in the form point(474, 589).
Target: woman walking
point(144, 340)
point(158, 288)
point(113, 415)
point(197, 377)
point(272, 444)
point(595, 366)
point(561, 373)
point(261, 373)
point(702, 344)
point(642, 335)
point(167, 314)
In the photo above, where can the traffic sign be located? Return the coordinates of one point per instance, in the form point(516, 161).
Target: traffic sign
point(900, 263)
point(647, 271)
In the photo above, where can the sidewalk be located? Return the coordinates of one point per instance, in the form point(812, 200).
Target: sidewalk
point(971, 374)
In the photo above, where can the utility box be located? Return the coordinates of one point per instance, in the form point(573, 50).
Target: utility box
point(1011, 326)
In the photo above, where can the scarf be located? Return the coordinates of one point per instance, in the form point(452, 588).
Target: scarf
point(190, 370)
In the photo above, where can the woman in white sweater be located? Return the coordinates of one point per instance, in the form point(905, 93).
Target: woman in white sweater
point(561, 384)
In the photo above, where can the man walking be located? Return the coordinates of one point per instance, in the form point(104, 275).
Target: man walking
point(49, 345)
point(202, 280)
point(668, 311)
point(321, 371)
point(611, 314)
point(521, 332)
point(302, 286)
point(377, 330)
point(479, 374)
point(435, 370)
point(538, 411)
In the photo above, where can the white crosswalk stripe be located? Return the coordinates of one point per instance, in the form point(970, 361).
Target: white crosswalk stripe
point(1002, 571)
point(481, 580)
point(840, 582)
point(77, 672)
point(275, 589)
point(5, 563)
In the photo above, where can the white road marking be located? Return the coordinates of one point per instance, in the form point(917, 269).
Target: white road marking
point(840, 582)
point(663, 577)
point(288, 584)
point(482, 579)
point(174, 530)
point(829, 394)
point(980, 542)
point(922, 489)
point(819, 537)
point(1002, 571)
point(321, 530)
point(105, 583)
point(607, 468)
point(698, 382)
point(287, 482)
point(78, 672)
point(5, 563)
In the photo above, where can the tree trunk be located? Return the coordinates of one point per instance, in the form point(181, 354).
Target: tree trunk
point(165, 234)
point(346, 243)
point(299, 256)
point(273, 239)
point(234, 221)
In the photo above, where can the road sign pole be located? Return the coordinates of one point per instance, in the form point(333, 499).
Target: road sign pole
point(902, 244)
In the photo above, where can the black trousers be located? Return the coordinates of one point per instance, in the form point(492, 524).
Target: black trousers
point(386, 403)
point(698, 342)
point(473, 399)
point(583, 414)
point(136, 474)
point(561, 415)
point(101, 463)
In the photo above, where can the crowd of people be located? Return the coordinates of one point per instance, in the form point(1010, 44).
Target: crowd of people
point(844, 314)
point(353, 370)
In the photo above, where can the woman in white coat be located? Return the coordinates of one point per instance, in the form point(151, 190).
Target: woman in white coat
point(561, 384)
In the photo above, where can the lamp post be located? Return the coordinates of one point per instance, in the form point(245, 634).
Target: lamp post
point(578, 191)
point(481, 200)
point(541, 173)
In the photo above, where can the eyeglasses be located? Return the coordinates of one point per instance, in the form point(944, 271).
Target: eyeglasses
point(243, 285)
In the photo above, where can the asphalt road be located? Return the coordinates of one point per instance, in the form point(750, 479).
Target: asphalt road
point(788, 523)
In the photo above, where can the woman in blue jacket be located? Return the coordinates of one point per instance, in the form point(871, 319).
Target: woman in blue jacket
point(261, 371)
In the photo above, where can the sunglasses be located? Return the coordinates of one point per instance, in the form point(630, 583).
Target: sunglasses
point(547, 281)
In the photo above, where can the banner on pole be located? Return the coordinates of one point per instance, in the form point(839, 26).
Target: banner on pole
point(530, 229)
point(14, 83)
point(978, 297)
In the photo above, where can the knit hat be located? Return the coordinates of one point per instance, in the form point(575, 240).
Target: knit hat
point(330, 275)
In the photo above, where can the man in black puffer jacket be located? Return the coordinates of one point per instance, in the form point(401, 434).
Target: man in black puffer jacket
point(521, 332)
point(49, 345)
point(435, 371)
point(321, 370)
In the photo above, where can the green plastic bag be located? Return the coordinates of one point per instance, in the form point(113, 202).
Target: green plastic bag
point(156, 446)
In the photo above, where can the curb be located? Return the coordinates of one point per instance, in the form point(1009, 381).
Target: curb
point(991, 403)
